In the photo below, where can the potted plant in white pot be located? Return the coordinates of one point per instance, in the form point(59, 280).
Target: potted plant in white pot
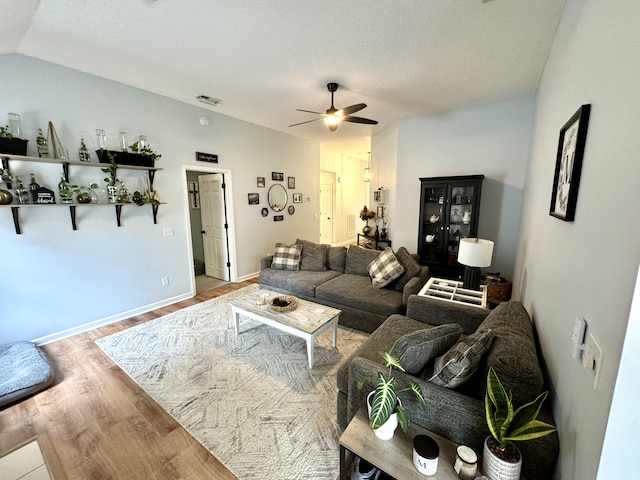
point(502, 460)
point(385, 408)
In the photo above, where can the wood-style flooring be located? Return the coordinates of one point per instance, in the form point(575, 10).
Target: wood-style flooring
point(96, 423)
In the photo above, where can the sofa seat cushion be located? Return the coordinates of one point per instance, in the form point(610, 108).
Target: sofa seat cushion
point(512, 355)
point(381, 340)
point(358, 292)
point(300, 282)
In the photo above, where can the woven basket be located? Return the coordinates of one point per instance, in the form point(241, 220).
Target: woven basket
point(499, 291)
point(293, 303)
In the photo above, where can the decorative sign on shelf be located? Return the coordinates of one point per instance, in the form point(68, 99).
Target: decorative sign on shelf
point(206, 157)
point(43, 196)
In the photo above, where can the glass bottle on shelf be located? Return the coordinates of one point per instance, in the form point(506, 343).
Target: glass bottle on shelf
point(43, 146)
point(66, 194)
point(33, 187)
point(21, 192)
point(83, 152)
point(14, 124)
point(142, 143)
point(102, 139)
point(123, 141)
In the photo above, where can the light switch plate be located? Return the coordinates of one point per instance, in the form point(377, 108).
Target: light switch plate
point(593, 358)
point(577, 337)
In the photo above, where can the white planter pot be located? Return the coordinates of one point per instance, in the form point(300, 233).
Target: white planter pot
point(386, 430)
point(497, 469)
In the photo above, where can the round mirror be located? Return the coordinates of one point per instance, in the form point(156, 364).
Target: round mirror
point(277, 198)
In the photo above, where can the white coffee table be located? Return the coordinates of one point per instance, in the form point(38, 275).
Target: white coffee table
point(307, 321)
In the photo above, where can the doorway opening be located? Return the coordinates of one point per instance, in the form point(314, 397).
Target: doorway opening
point(209, 213)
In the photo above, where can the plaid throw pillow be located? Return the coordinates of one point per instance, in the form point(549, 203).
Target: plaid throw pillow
point(384, 269)
point(287, 257)
point(461, 361)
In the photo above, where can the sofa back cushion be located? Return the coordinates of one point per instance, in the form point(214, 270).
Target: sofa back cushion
point(358, 260)
point(416, 349)
point(314, 258)
point(337, 256)
point(512, 355)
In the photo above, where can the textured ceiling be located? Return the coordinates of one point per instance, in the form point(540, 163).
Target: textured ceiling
point(264, 59)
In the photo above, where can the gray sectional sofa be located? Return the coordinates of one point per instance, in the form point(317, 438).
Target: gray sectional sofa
point(458, 414)
point(338, 277)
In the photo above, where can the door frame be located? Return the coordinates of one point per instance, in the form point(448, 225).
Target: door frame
point(231, 232)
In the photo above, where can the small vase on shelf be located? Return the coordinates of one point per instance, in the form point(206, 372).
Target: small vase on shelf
point(455, 216)
point(383, 234)
point(466, 218)
point(376, 234)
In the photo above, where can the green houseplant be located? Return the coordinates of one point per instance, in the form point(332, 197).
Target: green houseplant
point(10, 144)
point(502, 460)
point(384, 403)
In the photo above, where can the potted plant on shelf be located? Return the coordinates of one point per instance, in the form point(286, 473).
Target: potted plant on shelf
point(10, 144)
point(502, 460)
point(385, 408)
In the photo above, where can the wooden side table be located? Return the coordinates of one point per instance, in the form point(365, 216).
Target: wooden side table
point(395, 456)
point(371, 243)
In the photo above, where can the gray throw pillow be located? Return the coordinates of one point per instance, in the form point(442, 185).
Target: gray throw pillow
point(416, 349)
point(358, 260)
point(314, 258)
point(461, 361)
point(286, 257)
point(411, 268)
point(384, 269)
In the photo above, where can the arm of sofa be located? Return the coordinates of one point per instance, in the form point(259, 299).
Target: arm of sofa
point(265, 262)
point(414, 285)
point(446, 412)
point(440, 312)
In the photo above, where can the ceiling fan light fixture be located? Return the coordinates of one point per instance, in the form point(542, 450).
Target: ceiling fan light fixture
point(332, 120)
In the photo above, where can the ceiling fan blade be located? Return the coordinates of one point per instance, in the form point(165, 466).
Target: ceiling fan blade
point(360, 120)
point(352, 109)
point(308, 121)
point(309, 111)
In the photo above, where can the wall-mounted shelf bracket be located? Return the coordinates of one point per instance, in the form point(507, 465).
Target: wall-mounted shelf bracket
point(16, 220)
point(118, 214)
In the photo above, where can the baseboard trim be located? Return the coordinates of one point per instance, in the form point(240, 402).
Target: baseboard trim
point(111, 319)
point(248, 277)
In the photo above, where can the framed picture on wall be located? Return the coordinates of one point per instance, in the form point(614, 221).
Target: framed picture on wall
point(278, 218)
point(194, 195)
point(261, 182)
point(566, 179)
point(254, 198)
point(291, 182)
point(297, 198)
point(277, 176)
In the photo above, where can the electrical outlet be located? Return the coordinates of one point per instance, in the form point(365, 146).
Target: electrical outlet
point(165, 281)
point(167, 231)
point(577, 337)
point(593, 358)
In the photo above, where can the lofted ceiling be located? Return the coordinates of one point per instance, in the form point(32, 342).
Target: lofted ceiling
point(264, 59)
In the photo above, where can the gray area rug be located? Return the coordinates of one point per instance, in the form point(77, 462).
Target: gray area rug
point(250, 399)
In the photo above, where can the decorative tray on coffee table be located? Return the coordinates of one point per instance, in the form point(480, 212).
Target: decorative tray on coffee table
point(284, 303)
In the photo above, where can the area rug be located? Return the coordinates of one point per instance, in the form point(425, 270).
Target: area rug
point(250, 399)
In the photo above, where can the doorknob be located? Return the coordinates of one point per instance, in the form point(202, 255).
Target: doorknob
point(202, 231)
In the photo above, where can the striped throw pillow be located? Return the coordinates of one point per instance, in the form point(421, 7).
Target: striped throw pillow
point(385, 269)
point(287, 257)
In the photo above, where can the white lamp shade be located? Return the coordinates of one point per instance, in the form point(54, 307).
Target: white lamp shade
point(475, 252)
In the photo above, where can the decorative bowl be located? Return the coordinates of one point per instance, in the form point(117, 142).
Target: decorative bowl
point(284, 303)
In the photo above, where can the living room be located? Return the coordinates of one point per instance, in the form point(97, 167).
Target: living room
point(114, 273)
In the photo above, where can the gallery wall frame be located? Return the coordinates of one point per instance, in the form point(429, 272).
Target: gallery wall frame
point(566, 178)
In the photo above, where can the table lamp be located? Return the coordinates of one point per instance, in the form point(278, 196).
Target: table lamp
point(474, 253)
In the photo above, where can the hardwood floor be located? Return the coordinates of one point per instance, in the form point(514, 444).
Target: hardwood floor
point(96, 423)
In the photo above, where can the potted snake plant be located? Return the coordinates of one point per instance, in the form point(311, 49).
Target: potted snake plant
point(385, 408)
point(502, 460)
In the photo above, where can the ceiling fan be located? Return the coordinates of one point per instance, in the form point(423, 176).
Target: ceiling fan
point(333, 116)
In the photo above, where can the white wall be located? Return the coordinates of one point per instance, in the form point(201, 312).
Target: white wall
point(586, 268)
point(493, 140)
point(54, 278)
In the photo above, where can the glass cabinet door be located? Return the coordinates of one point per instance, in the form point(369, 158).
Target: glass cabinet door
point(461, 201)
point(433, 221)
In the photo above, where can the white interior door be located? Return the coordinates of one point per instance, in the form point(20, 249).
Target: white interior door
point(326, 213)
point(214, 233)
